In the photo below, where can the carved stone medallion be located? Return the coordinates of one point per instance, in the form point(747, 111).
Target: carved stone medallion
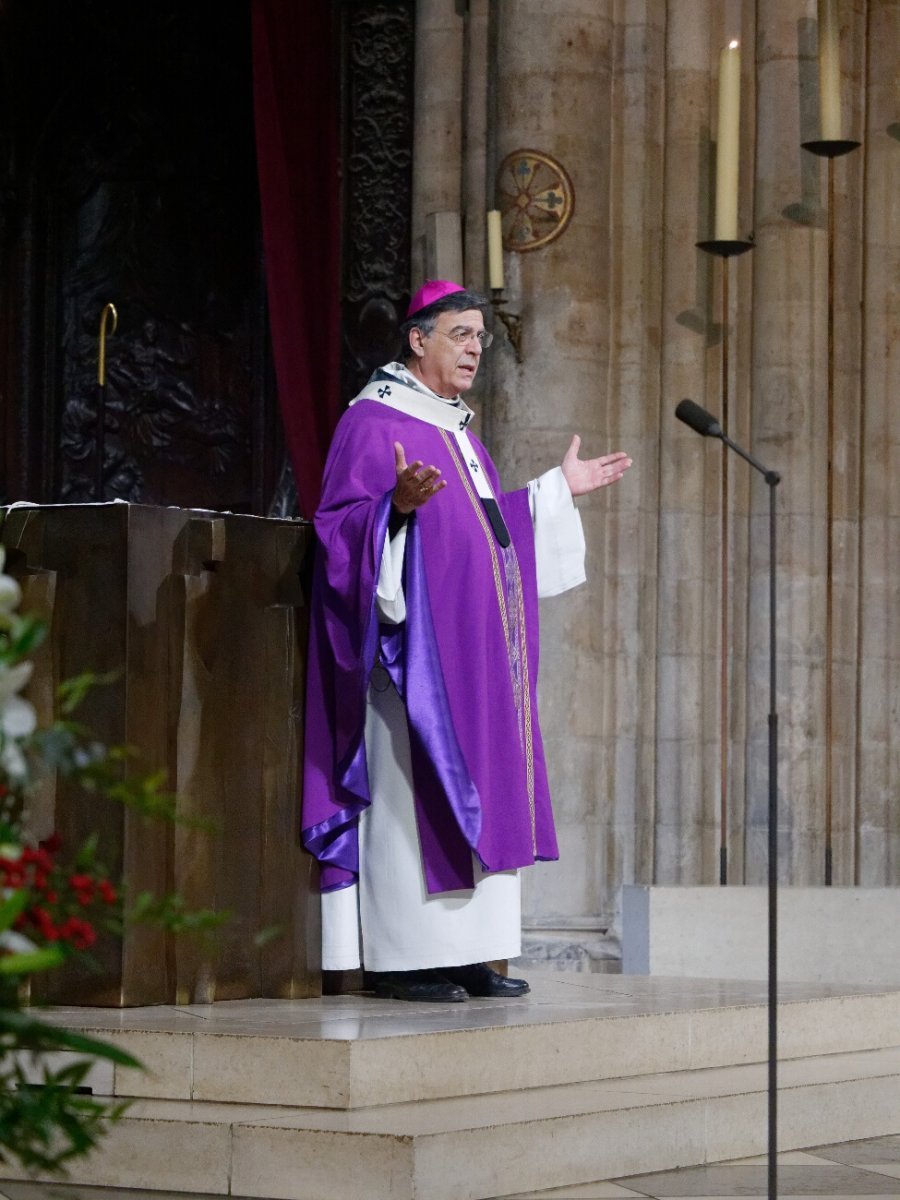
point(536, 199)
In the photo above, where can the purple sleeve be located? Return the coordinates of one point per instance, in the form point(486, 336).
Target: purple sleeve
point(350, 524)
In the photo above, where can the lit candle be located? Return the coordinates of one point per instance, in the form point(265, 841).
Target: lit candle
point(729, 137)
point(495, 249)
point(829, 72)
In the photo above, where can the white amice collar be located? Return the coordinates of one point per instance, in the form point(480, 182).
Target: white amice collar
point(395, 386)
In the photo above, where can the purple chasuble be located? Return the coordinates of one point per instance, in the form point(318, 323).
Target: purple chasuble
point(464, 662)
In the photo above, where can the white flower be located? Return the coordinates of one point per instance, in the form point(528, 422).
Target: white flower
point(13, 679)
point(17, 718)
point(13, 762)
point(10, 594)
point(16, 943)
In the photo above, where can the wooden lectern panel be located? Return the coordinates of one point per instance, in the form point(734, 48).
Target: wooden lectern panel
point(201, 619)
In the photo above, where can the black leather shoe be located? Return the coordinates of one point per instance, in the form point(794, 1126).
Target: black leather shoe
point(481, 980)
point(429, 986)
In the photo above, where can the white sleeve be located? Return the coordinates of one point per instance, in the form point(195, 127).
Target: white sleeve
point(559, 547)
point(340, 929)
point(389, 598)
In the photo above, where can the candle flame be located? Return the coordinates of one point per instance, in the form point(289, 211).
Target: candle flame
point(733, 44)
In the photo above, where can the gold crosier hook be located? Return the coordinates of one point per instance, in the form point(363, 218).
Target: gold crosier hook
point(109, 310)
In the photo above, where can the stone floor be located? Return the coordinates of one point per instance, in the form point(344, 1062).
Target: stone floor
point(868, 1168)
point(620, 1079)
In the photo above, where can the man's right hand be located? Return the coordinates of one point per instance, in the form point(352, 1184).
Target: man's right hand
point(415, 484)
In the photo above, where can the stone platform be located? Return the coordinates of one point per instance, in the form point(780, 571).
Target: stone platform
point(587, 1078)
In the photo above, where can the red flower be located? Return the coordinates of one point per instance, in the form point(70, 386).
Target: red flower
point(107, 891)
point(44, 922)
point(39, 858)
point(80, 933)
point(51, 844)
point(83, 886)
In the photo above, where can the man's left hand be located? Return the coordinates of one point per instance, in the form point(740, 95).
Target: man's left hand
point(586, 475)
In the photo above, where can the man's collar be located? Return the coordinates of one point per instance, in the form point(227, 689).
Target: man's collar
point(395, 386)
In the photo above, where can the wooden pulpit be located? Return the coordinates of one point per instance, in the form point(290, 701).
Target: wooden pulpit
point(198, 620)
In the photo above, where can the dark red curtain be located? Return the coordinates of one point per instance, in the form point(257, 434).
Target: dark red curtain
point(295, 84)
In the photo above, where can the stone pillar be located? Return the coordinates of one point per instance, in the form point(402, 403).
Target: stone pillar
point(789, 434)
point(686, 686)
point(624, 541)
point(437, 138)
point(846, 581)
point(878, 761)
point(552, 62)
point(478, 158)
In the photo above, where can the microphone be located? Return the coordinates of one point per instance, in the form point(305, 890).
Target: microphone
point(698, 418)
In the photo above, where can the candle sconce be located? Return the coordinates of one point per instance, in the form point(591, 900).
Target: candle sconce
point(512, 322)
point(830, 147)
point(725, 248)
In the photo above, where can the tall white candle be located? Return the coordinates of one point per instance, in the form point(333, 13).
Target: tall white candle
point(495, 249)
point(829, 71)
point(728, 146)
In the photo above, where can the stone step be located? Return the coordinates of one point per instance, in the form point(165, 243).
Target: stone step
point(494, 1145)
point(351, 1052)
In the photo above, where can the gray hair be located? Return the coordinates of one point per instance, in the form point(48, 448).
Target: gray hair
point(426, 318)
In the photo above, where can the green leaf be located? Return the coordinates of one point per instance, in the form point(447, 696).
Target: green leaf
point(30, 961)
point(12, 906)
point(270, 933)
point(34, 1034)
point(72, 691)
point(43, 1126)
point(26, 635)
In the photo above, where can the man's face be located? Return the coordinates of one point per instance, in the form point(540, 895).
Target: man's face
point(446, 360)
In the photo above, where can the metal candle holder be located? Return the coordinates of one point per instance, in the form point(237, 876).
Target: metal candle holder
point(512, 322)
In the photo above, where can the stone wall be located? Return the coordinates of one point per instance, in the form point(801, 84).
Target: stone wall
point(621, 318)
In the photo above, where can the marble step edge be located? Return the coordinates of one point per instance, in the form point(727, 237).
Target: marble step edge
point(474, 1148)
point(350, 1073)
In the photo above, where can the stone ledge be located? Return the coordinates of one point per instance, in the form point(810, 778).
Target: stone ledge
point(832, 935)
point(478, 1147)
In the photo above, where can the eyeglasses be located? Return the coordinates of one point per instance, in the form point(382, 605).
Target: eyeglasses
point(461, 336)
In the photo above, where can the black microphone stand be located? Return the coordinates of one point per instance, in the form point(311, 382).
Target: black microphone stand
point(772, 478)
point(705, 424)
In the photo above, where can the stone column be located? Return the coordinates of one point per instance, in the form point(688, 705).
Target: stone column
point(631, 405)
point(438, 133)
point(878, 752)
point(478, 158)
point(572, 84)
point(789, 434)
point(685, 776)
point(849, 401)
